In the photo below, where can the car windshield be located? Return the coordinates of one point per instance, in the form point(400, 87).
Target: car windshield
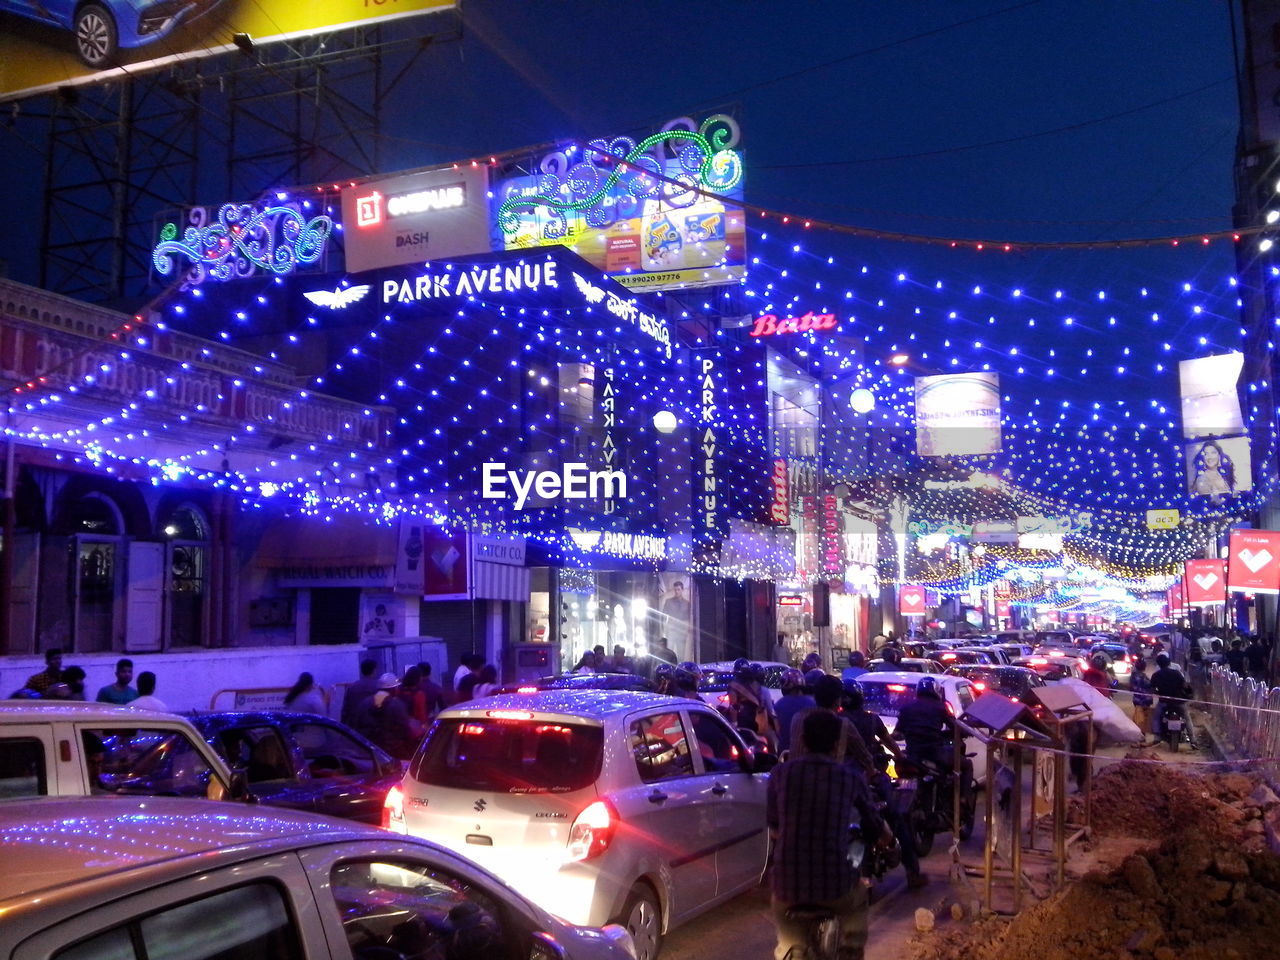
point(887, 699)
point(512, 756)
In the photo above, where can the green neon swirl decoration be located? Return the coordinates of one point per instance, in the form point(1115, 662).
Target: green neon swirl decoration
point(718, 169)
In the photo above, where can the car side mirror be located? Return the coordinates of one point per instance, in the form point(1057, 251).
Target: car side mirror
point(239, 789)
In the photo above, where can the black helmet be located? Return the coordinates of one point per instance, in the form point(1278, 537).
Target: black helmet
point(740, 664)
point(757, 672)
point(742, 671)
point(663, 671)
point(928, 687)
point(792, 679)
point(853, 695)
point(1099, 660)
point(686, 679)
point(811, 677)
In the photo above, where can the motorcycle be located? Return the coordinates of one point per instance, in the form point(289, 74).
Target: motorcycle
point(1175, 725)
point(931, 807)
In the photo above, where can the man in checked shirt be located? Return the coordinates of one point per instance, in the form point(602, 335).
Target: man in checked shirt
point(812, 802)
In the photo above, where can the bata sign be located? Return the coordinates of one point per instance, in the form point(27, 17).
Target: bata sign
point(768, 325)
point(780, 511)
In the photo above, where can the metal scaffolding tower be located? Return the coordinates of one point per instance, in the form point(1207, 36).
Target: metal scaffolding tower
point(120, 153)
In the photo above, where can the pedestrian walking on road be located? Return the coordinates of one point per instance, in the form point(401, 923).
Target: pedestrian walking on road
point(384, 719)
point(120, 692)
point(306, 697)
point(356, 693)
point(147, 699)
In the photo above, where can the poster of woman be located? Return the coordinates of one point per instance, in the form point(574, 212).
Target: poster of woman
point(1219, 469)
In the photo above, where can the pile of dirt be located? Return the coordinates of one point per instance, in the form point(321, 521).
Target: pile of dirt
point(1206, 888)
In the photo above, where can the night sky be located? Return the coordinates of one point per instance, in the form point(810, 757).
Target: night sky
point(1044, 120)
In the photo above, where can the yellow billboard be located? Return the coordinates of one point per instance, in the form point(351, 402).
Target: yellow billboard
point(56, 43)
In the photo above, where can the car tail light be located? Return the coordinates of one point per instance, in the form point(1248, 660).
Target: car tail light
point(948, 656)
point(592, 831)
point(393, 811)
point(979, 685)
point(723, 698)
point(1038, 661)
point(526, 689)
point(509, 714)
point(897, 687)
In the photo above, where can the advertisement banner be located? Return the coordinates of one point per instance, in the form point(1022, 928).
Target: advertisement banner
point(409, 547)
point(446, 566)
point(832, 530)
point(1163, 519)
point(649, 214)
point(1206, 582)
point(958, 415)
point(1210, 404)
point(59, 43)
point(1253, 565)
point(1219, 469)
point(911, 600)
point(1004, 607)
point(429, 215)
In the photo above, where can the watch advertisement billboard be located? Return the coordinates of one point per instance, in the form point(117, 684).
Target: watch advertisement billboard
point(58, 43)
point(428, 215)
point(1210, 404)
point(659, 214)
point(958, 415)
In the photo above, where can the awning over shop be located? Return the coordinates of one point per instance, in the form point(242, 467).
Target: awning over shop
point(500, 581)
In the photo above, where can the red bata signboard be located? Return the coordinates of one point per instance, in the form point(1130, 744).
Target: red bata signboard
point(1254, 564)
point(1206, 582)
point(780, 510)
point(911, 600)
point(769, 325)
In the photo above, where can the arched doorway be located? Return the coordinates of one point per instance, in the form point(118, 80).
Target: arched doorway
point(186, 533)
point(97, 527)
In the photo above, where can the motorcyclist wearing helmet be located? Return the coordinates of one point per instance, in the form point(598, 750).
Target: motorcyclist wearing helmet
point(749, 705)
point(827, 694)
point(1096, 674)
point(662, 678)
point(927, 726)
point(794, 700)
point(1171, 686)
point(882, 746)
point(685, 680)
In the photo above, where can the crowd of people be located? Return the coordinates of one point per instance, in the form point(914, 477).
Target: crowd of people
point(59, 682)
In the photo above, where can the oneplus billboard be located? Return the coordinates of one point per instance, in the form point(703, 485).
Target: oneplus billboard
point(56, 43)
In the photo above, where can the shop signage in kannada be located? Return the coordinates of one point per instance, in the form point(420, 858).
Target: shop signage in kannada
point(627, 309)
point(768, 325)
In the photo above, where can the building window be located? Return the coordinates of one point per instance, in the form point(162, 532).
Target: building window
point(186, 577)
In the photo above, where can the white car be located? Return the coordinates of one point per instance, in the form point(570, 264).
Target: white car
point(598, 805)
point(71, 748)
point(886, 692)
point(129, 878)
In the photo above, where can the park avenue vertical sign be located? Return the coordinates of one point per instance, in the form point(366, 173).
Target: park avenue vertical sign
point(708, 498)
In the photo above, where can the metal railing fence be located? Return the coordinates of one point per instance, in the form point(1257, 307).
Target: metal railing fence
point(1247, 714)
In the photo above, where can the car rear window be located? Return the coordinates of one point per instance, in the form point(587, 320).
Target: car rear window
point(22, 772)
point(887, 699)
point(510, 756)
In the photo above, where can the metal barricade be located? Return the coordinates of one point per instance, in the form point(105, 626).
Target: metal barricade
point(1246, 714)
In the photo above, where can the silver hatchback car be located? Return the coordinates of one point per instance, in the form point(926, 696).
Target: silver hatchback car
point(114, 878)
point(598, 805)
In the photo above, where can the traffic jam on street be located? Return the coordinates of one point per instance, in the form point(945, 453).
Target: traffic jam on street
point(698, 498)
